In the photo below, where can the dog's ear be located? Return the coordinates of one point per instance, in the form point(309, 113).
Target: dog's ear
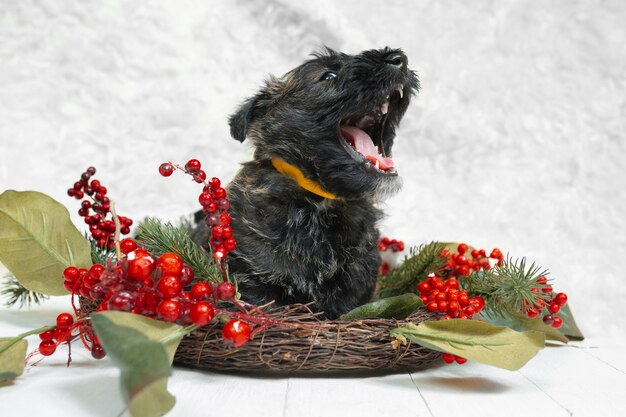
point(241, 119)
point(251, 109)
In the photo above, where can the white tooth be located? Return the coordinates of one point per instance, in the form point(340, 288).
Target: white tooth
point(377, 165)
point(384, 108)
point(399, 90)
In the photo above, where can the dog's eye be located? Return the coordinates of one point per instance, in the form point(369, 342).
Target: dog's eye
point(328, 76)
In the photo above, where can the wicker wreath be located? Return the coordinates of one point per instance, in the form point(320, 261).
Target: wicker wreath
point(303, 343)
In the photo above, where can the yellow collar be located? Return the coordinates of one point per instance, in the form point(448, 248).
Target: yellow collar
point(294, 173)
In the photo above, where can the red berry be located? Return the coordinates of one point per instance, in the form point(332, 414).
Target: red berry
point(47, 335)
point(227, 232)
point(460, 360)
point(210, 208)
point(128, 245)
point(71, 286)
point(186, 276)
point(554, 308)
point(478, 301)
point(169, 286)
point(217, 232)
point(452, 283)
point(225, 219)
point(230, 244)
point(215, 182)
point(558, 322)
point(453, 308)
point(496, 254)
point(432, 306)
point(170, 263)
point(532, 313)
point(193, 165)
point(201, 290)
point(166, 169)
point(462, 248)
point(448, 357)
point(463, 298)
point(97, 352)
point(201, 313)
point(561, 299)
point(96, 270)
point(442, 306)
point(122, 301)
point(169, 309)
point(236, 333)
point(64, 321)
point(70, 273)
point(225, 291)
point(199, 176)
point(548, 319)
point(423, 287)
point(140, 268)
point(475, 253)
point(219, 192)
point(47, 347)
point(205, 199)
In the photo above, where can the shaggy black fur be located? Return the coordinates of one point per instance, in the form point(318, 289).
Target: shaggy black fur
point(295, 246)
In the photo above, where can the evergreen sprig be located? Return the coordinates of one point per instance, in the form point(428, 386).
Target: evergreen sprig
point(16, 292)
point(421, 261)
point(158, 237)
point(507, 289)
point(100, 255)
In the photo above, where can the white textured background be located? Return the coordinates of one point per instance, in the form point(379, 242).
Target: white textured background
point(517, 139)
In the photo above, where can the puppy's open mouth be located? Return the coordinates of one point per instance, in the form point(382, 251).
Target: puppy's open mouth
point(363, 134)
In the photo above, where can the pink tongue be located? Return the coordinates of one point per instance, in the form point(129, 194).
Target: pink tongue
point(364, 145)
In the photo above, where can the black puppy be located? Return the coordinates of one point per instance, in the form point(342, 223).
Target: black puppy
point(303, 209)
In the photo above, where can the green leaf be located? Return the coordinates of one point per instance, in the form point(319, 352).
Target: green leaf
point(398, 307)
point(12, 360)
point(498, 346)
point(38, 241)
point(569, 328)
point(520, 323)
point(134, 343)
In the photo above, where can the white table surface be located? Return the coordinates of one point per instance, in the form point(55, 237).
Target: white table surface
point(582, 379)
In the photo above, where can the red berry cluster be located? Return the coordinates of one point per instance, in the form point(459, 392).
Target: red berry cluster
point(50, 339)
point(448, 299)
point(459, 265)
point(394, 245)
point(551, 307)
point(155, 287)
point(215, 206)
point(95, 209)
point(64, 332)
point(449, 358)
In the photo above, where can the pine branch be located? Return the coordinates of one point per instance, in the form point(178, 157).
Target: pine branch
point(158, 238)
point(507, 289)
point(16, 292)
point(100, 255)
point(422, 260)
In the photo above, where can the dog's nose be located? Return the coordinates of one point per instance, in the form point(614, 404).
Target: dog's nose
point(397, 59)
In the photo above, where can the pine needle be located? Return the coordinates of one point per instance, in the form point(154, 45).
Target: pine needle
point(422, 260)
point(17, 293)
point(158, 237)
point(507, 289)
